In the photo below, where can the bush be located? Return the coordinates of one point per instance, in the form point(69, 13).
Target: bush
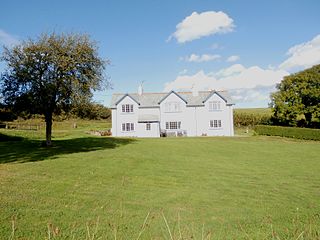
point(291, 132)
point(6, 114)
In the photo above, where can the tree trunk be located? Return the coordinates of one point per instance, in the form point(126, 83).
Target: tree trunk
point(308, 117)
point(48, 118)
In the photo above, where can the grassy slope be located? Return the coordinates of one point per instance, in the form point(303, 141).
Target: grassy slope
point(266, 111)
point(248, 187)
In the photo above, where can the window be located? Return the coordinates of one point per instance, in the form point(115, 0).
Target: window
point(215, 106)
point(127, 108)
point(172, 107)
point(127, 127)
point(215, 124)
point(148, 126)
point(173, 125)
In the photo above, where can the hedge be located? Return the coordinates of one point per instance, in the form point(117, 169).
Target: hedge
point(291, 132)
point(241, 119)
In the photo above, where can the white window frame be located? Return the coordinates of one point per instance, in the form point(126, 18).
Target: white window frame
point(175, 125)
point(214, 106)
point(172, 107)
point(127, 127)
point(215, 124)
point(127, 108)
point(148, 126)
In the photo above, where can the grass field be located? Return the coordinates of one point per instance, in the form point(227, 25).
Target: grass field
point(266, 111)
point(88, 187)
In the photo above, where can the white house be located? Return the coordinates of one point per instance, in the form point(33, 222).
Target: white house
point(204, 113)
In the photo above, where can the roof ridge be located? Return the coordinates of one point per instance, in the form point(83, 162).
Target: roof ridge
point(182, 92)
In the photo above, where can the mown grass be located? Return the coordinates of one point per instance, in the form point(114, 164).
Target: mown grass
point(89, 187)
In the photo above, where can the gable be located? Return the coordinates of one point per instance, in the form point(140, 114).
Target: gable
point(126, 99)
point(173, 96)
point(215, 96)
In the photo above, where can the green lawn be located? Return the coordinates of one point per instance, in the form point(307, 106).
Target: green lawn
point(88, 187)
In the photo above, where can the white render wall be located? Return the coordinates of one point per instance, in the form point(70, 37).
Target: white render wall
point(194, 119)
point(205, 115)
point(119, 117)
point(153, 132)
point(173, 116)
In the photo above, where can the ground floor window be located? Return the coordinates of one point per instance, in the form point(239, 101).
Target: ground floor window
point(127, 127)
point(148, 126)
point(173, 125)
point(215, 124)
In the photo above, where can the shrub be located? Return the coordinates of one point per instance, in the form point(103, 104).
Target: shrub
point(292, 132)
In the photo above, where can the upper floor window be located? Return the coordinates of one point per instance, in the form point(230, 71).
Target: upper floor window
point(215, 106)
point(173, 125)
point(215, 124)
point(127, 108)
point(172, 107)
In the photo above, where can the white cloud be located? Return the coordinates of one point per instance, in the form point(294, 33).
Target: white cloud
point(201, 58)
point(244, 84)
point(7, 39)
point(303, 55)
point(252, 94)
point(233, 58)
point(233, 70)
point(184, 71)
point(203, 24)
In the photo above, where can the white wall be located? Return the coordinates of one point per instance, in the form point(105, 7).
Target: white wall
point(153, 132)
point(125, 117)
point(114, 122)
point(231, 127)
point(195, 120)
point(173, 116)
point(155, 129)
point(118, 117)
point(205, 115)
point(149, 111)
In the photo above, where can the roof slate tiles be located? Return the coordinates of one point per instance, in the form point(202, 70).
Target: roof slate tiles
point(153, 99)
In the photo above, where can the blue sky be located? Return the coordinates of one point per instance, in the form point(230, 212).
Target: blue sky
point(245, 47)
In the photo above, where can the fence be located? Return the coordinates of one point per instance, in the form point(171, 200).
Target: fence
point(23, 126)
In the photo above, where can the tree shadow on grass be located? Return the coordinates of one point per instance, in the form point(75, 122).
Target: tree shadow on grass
point(18, 149)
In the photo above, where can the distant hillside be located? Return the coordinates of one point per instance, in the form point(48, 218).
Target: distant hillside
point(260, 111)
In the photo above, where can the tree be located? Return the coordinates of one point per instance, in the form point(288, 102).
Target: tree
point(298, 98)
point(92, 111)
point(50, 74)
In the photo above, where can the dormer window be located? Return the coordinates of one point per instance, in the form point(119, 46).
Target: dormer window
point(127, 108)
point(215, 106)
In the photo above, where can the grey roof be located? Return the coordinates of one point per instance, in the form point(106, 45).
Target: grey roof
point(153, 99)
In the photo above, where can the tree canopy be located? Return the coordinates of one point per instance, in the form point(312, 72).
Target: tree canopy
point(50, 74)
point(297, 101)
